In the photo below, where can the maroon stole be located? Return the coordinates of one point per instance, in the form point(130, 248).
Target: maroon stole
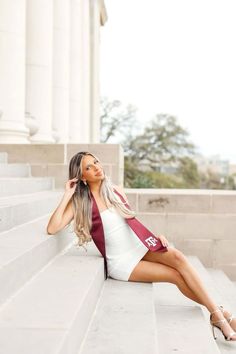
point(152, 242)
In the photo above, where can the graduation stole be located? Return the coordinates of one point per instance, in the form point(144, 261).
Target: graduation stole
point(152, 242)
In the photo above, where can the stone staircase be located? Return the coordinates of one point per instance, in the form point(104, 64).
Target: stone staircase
point(54, 300)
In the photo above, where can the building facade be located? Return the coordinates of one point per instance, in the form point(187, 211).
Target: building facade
point(49, 71)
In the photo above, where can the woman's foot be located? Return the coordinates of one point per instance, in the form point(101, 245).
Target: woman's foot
point(229, 317)
point(224, 326)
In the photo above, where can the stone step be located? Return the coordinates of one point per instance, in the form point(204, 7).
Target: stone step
point(23, 185)
point(51, 313)
point(3, 157)
point(224, 286)
point(229, 266)
point(183, 329)
point(181, 322)
point(206, 278)
point(124, 320)
point(15, 170)
point(214, 288)
point(227, 290)
point(18, 209)
point(24, 250)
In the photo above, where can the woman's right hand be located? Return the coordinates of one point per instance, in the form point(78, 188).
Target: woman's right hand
point(71, 185)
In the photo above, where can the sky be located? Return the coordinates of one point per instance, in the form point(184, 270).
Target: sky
point(176, 57)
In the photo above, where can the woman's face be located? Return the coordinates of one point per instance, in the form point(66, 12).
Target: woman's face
point(92, 170)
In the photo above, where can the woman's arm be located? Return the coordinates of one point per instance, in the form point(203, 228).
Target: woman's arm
point(64, 212)
point(62, 216)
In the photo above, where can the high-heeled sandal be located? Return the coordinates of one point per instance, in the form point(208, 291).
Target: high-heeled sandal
point(231, 316)
point(214, 324)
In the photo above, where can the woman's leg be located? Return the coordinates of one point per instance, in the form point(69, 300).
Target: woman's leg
point(146, 271)
point(177, 260)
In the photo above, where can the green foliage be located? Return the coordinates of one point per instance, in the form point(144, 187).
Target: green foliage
point(135, 178)
point(162, 143)
point(189, 172)
point(231, 182)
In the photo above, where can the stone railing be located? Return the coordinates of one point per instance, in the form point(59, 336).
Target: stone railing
point(198, 222)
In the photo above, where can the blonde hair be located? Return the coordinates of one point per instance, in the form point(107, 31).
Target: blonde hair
point(81, 200)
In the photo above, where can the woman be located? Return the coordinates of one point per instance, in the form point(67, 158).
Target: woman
point(101, 212)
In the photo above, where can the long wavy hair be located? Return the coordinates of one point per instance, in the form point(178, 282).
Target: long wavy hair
point(82, 202)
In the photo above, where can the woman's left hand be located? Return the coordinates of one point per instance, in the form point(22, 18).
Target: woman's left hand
point(163, 240)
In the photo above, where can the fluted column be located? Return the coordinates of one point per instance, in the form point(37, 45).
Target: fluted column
point(61, 70)
point(85, 61)
point(39, 67)
point(94, 70)
point(12, 72)
point(79, 124)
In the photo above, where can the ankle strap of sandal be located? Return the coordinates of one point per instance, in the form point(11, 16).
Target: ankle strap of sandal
point(218, 321)
point(215, 311)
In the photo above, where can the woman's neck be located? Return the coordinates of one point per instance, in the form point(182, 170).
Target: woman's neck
point(95, 188)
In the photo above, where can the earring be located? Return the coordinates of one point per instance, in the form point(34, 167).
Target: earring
point(85, 183)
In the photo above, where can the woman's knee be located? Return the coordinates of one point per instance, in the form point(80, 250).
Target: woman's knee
point(176, 278)
point(179, 258)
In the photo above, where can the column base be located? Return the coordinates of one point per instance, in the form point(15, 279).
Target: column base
point(42, 139)
point(12, 132)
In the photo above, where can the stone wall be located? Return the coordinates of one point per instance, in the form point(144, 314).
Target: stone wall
point(199, 222)
point(53, 159)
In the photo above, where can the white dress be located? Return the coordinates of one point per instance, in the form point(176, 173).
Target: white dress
point(123, 247)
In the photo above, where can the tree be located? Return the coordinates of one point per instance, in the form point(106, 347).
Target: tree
point(117, 121)
point(189, 172)
point(135, 178)
point(162, 142)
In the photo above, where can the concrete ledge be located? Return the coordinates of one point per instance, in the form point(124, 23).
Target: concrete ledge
point(24, 250)
point(215, 289)
point(183, 330)
point(51, 313)
point(229, 269)
point(18, 209)
point(225, 287)
point(32, 153)
point(23, 185)
point(53, 159)
point(3, 157)
point(124, 320)
point(59, 153)
point(190, 201)
point(14, 170)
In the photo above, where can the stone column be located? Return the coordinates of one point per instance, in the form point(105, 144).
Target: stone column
point(94, 70)
point(61, 70)
point(39, 42)
point(12, 72)
point(86, 73)
point(79, 124)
